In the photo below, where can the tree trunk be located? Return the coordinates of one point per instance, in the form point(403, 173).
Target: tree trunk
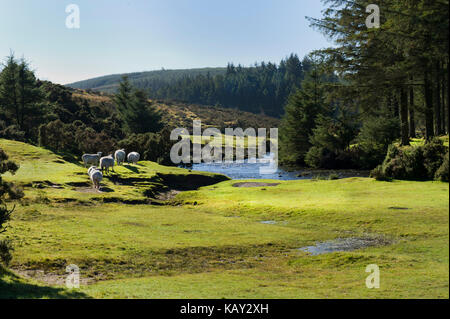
point(429, 122)
point(412, 123)
point(444, 100)
point(395, 105)
point(437, 106)
point(404, 127)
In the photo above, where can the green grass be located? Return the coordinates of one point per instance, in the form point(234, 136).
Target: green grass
point(421, 141)
point(210, 243)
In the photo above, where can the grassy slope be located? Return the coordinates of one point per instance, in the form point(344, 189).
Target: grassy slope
point(210, 243)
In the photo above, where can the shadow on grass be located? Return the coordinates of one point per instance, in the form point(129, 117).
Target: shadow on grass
point(14, 287)
point(134, 169)
point(105, 189)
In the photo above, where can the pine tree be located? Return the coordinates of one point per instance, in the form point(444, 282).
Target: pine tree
point(21, 99)
point(13, 192)
point(136, 110)
point(301, 112)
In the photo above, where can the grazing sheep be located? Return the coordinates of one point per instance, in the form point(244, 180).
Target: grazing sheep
point(92, 168)
point(133, 157)
point(120, 156)
point(106, 163)
point(91, 159)
point(96, 176)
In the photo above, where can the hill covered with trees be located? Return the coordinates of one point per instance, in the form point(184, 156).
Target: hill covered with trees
point(260, 89)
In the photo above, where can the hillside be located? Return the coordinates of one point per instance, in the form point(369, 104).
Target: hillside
point(177, 114)
point(260, 88)
point(109, 83)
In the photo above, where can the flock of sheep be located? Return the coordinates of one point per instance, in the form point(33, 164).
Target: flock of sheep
point(106, 163)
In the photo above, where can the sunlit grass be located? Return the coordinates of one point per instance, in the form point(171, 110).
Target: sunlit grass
point(211, 243)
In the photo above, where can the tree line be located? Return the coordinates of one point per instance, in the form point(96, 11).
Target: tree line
point(261, 89)
point(393, 84)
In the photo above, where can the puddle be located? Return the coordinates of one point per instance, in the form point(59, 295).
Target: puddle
point(268, 222)
point(344, 244)
point(254, 184)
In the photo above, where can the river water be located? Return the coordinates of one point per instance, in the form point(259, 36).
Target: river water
point(249, 170)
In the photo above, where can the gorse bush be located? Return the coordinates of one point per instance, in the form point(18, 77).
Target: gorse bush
point(412, 162)
point(442, 172)
point(433, 156)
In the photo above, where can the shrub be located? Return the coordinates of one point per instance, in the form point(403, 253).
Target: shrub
point(379, 174)
point(5, 251)
point(433, 154)
point(411, 163)
point(11, 132)
point(13, 192)
point(442, 172)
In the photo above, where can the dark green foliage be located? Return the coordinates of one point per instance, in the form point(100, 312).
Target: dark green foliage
point(136, 110)
point(331, 140)
point(22, 104)
point(379, 175)
point(391, 71)
point(75, 138)
point(11, 132)
point(5, 251)
point(412, 163)
point(299, 121)
point(7, 189)
point(151, 146)
point(433, 154)
point(442, 172)
point(376, 134)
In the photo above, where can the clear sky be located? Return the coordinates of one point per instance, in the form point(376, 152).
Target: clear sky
point(120, 36)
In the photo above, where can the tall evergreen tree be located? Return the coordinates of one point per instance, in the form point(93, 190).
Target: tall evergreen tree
point(136, 110)
point(301, 112)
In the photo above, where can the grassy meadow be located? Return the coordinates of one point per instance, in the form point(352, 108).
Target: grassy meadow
point(150, 233)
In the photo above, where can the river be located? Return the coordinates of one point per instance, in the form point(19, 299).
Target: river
point(248, 170)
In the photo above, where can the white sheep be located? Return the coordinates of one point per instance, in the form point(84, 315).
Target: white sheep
point(106, 163)
point(91, 159)
point(96, 176)
point(120, 156)
point(133, 157)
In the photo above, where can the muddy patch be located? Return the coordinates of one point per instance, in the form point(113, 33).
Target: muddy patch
point(43, 184)
point(79, 184)
point(344, 244)
point(89, 190)
point(49, 277)
point(92, 190)
point(168, 195)
point(255, 184)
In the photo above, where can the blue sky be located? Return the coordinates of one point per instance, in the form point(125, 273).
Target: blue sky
point(118, 36)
